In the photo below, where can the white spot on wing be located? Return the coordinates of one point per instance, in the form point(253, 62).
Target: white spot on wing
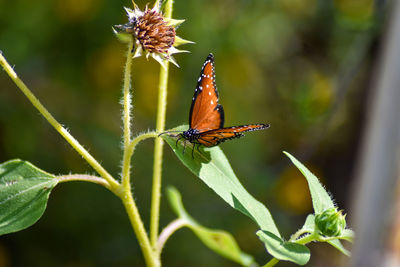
point(212, 102)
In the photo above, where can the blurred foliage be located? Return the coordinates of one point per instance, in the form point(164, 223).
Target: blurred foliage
point(302, 65)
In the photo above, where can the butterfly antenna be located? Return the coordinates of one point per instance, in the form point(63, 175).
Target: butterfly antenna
point(168, 132)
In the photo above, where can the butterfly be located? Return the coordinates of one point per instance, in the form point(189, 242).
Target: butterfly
point(206, 116)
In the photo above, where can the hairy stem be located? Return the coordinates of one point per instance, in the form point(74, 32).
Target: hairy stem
point(307, 239)
point(83, 178)
point(127, 106)
point(125, 192)
point(297, 235)
point(59, 128)
point(136, 140)
point(150, 256)
point(158, 146)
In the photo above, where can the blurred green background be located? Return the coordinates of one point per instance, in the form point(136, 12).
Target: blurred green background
point(304, 66)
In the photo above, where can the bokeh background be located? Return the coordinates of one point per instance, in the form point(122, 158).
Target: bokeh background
point(304, 66)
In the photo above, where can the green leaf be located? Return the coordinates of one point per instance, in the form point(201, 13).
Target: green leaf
point(219, 241)
point(321, 202)
point(347, 234)
point(309, 224)
point(213, 168)
point(282, 250)
point(338, 245)
point(24, 191)
point(320, 197)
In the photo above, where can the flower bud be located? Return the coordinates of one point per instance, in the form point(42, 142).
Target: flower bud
point(331, 222)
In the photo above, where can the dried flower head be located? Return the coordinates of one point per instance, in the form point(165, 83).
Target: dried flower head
point(154, 34)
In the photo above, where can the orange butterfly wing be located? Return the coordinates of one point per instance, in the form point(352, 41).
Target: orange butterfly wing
point(215, 137)
point(206, 117)
point(205, 112)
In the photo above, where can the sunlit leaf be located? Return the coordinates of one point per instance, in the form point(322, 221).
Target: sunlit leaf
point(309, 224)
point(282, 250)
point(24, 191)
point(321, 202)
point(338, 245)
point(219, 241)
point(213, 168)
point(320, 197)
point(347, 234)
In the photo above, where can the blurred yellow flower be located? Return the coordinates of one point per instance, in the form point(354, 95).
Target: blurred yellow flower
point(73, 11)
point(356, 9)
point(292, 192)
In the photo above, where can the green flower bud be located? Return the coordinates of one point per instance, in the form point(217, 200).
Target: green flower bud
point(331, 222)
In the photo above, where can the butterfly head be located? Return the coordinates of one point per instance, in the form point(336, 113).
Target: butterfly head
point(191, 134)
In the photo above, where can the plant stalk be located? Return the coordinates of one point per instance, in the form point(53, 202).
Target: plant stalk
point(127, 106)
point(158, 145)
point(150, 256)
point(59, 128)
point(125, 192)
point(132, 145)
point(271, 263)
point(83, 178)
point(296, 235)
point(168, 231)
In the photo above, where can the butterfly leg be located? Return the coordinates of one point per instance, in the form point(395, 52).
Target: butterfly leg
point(193, 148)
point(184, 148)
point(198, 148)
point(177, 140)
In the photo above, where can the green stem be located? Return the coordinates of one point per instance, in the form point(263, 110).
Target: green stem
point(158, 154)
point(131, 148)
point(168, 231)
point(297, 234)
point(126, 164)
point(149, 253)
point(327, 239)
point(158, 146)
point(61, 130)
point(271, 263)
point(125, 192)
point(307, 239)
point(83, 178)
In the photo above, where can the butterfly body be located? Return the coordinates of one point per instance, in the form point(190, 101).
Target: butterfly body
point(206, 117)
point(191, 135)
